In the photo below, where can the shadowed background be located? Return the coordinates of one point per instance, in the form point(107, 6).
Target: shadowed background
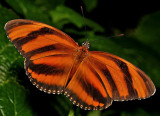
point(140, 23)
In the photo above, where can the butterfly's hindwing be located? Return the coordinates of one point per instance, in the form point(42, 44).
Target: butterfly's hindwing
point(49, 73)
point(87, 89)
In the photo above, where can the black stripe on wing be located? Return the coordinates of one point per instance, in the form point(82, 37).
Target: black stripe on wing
point(104, 70)
point(44, 68)
point(19, 42)
point(149, 85)
point(16, 24)
point(127, 76)
point(92, 91)
point(56, 47)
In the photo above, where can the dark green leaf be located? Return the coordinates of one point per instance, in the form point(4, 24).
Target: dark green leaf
point(71, 113)
point(13, 97)
point(90, 4)
point(47, 5)
point(94, 113)
point(148, 31)
point(29, 10)
point(13, 100)
point(8, 53)
point(63, 15)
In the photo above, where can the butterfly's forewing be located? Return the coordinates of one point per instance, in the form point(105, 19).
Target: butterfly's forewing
point(86, 88)
point(48, 52)
point(35, 40)
point(122, 80)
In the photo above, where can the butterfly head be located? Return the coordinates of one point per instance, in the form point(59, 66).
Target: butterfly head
point(86, 45)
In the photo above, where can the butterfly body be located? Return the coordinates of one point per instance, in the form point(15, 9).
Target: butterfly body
point(56, 64)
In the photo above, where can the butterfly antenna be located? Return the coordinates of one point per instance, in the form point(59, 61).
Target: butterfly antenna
point(84, 23)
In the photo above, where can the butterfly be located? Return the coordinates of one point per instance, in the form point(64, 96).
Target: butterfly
point(56, 64)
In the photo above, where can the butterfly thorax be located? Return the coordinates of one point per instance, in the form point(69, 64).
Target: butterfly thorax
point(82, 52)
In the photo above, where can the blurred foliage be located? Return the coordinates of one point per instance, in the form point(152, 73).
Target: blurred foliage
point(18, 97)
point(63, 16)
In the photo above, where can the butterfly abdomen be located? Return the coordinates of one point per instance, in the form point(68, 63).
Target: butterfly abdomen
point(79, 56)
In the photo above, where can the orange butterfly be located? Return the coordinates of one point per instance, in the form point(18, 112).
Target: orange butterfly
point(56, 64)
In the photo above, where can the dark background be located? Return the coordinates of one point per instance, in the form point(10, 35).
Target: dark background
point(117, 14)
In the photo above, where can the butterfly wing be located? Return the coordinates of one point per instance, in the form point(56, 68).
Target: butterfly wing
point(34, 39)
point(122, 80)
point(102, 78)
point(86, 88)
point(49, 74)
point(47, 50)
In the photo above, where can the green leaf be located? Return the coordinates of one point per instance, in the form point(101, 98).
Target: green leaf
point(90, 4)
point(62, 105)
point(148, 31)
point(5, 15)
point(8, 53)
point(13, 97)
point(63, 15)
point(13, 100)
point(94, 113)
point(30, 11)
point(47, 5)
point(71, 113)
